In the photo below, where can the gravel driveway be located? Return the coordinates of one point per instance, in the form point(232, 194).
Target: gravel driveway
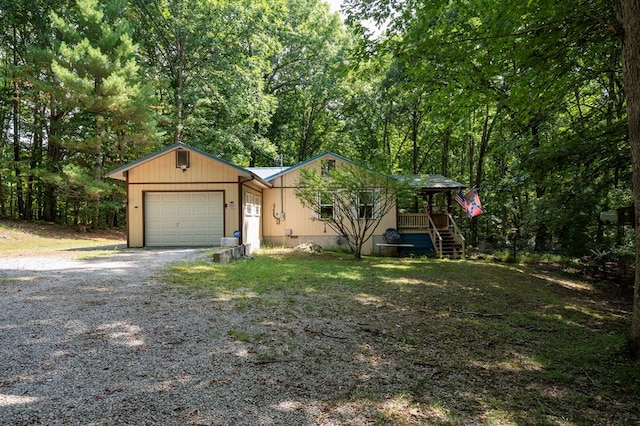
point(104, 342)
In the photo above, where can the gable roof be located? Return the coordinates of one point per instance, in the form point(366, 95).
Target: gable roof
point(266, 172)
point(311, 160)
point(119, 173)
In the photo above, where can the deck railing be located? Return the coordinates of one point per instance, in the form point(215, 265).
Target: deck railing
point(413, 220)
point(457, 234)
point(435, 236)
point(431, 224)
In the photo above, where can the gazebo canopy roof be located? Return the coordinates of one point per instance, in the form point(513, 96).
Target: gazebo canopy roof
point(431, 184)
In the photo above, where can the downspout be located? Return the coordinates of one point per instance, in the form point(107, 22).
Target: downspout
point(280, 216)
point(281, 197)
point(126, 208)
point(240, 209)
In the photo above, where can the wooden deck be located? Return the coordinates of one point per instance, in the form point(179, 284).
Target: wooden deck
point(443, 230)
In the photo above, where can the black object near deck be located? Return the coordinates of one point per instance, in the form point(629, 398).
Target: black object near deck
point(421, 245)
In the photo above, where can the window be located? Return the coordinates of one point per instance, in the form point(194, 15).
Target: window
point(257, 206)
point(182, 159)
point(248, 207)
point(326, 208)
point(366, 204)
point(328, 166)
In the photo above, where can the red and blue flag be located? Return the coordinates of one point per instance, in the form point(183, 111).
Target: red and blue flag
point(470, 203)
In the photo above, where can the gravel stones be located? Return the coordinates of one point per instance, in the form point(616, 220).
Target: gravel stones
point(104, 342)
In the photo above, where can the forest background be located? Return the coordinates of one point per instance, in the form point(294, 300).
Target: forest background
point(523, 100)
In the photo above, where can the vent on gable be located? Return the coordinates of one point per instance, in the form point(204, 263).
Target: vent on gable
point(182, 159)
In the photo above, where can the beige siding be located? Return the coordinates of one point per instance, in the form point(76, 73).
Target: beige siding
point(205, 174)
point(299, 226)
point(163, 169)
point(161, 174)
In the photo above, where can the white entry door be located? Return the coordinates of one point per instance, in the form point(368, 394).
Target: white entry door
point(183, 218)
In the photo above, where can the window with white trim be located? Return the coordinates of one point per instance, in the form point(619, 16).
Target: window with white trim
point(367, 205)
point(257, 205)
point(326, 208)
point(248, 206)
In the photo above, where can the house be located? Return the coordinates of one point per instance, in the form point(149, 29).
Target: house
point(182, 196)
point(289, 223)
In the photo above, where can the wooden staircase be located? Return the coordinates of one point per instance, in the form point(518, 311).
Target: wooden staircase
point(440, 234)
point(450, 248)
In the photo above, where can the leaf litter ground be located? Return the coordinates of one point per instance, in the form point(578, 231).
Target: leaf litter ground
point(415, 341)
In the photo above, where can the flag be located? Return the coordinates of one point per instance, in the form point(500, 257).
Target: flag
point(474, 206)
point(461, 200)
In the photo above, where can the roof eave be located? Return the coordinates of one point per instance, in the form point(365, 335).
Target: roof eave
point(311, 160)
point(120, 172)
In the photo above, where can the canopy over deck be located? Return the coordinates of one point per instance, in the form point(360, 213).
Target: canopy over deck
point(432, 184)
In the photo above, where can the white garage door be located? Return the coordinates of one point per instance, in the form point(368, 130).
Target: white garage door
point(183, 218)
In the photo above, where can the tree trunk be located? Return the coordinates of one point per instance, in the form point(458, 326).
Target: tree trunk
point(487, 130)
point(446, 137)
point(16, 132)
point(415, 122)
point(3, 195)
point(179, 82)
point(628, 12)
point(54, 153)
point(541, 242)
point(95, 222)
point(35, 160)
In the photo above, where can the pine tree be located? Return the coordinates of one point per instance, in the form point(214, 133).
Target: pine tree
point(98, 76)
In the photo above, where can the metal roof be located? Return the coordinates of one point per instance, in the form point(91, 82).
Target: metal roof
point(431, 183)
point(267, 172)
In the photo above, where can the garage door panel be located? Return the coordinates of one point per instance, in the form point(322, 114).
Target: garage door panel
point(200, 240)
point(201, 226)
point(153, 224)
point(201, 211)
point(184, 211)
point(200, 197)
point(184, 218)
point(185, 240)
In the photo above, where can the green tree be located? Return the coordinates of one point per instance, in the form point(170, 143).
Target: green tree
point(25, 109)
point(207, 61)
point(540, 78)
point(360, 199)
point(98, 81)
point(306, 79)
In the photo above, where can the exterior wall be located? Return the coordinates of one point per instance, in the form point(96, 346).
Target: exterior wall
point(260, 223)
point(161, 174)
point(252, 217)
point(298, 225)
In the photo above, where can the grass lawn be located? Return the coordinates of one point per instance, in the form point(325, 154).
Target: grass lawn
point(40, 238)
point(424, 341)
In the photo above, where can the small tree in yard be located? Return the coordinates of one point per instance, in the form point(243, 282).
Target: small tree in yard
point(351, 200)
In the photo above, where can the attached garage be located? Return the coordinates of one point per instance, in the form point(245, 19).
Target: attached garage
point(183, 218)
point(181, 196)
